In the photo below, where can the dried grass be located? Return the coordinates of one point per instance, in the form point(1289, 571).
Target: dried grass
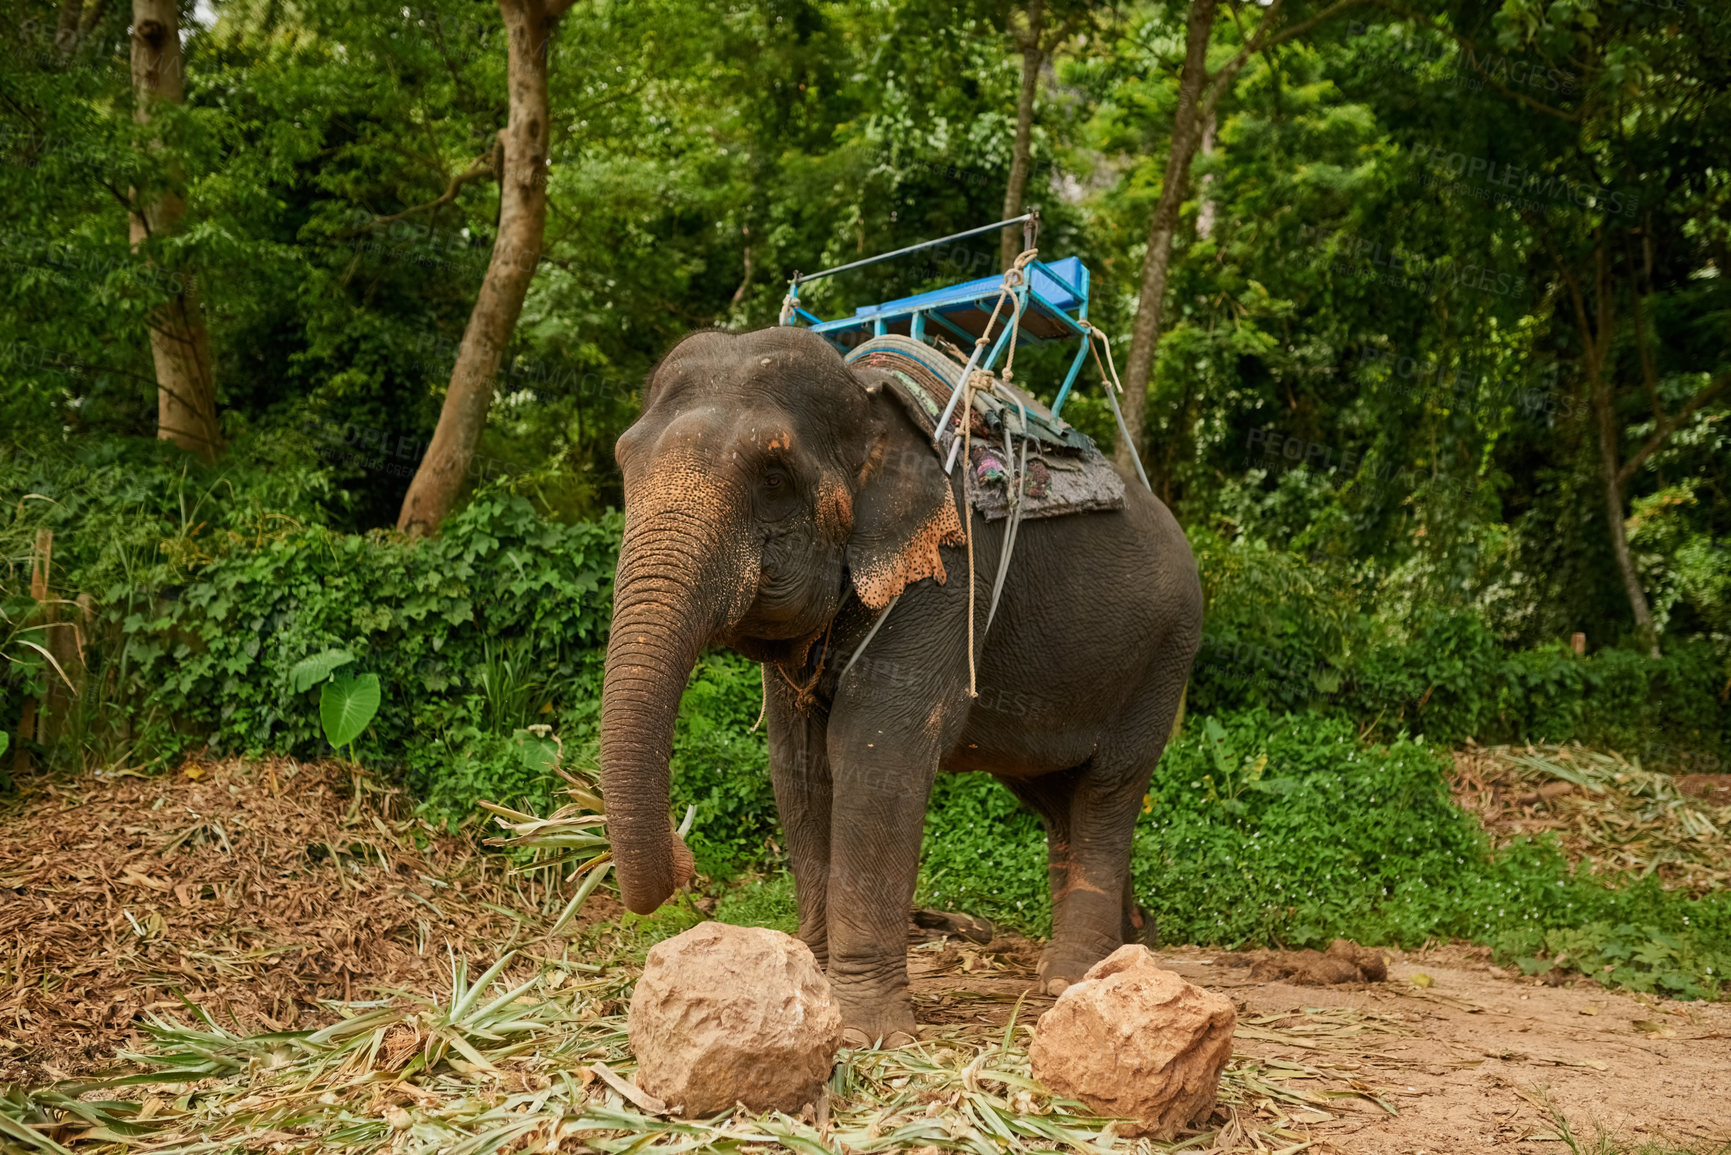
point(543, 1066)
point(259, 891)
point(532, 1054)
point(1605, 810)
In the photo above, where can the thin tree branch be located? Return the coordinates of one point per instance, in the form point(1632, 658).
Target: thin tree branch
point(1472, 59)
point(482, 166)
point(1669, 425)
point(1649, 375)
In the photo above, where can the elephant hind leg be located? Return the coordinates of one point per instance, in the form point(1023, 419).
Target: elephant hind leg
point(1139, 925)
point(1053, 798)
point(1094, 808)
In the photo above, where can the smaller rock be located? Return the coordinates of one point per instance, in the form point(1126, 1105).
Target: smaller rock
point(1343, 962)
point(731, 1014)
point(1136, 1040)
point(1371, 964)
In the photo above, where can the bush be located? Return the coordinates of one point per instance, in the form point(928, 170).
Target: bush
point(1289, 635)
point(490, 627)
point(1285, 830)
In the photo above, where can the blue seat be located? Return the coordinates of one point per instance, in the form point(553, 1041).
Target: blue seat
point(1052, 287)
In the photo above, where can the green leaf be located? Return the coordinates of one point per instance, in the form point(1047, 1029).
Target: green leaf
point(309, 672)
point(346, 705)
point(5, 741)
point(538, 754)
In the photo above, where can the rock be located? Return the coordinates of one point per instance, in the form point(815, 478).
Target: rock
point(1371, 964)
point(1306, 968)
point(727, 1014)
point(1135, 1040)
point(1343, 962)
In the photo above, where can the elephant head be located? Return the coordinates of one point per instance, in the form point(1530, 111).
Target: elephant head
point(762, 478)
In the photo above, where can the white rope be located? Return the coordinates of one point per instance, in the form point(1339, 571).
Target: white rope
point(1112, 389)
point(1019, 482)
point(984, 382)
point(866, 641)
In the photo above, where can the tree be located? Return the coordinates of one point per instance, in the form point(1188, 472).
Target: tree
point(1618, 200)
point(179, 344)
point(1036, 42)
point(1199, 93)
point(525, 142)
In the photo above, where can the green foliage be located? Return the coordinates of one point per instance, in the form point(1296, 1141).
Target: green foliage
point(722, 768)
point(226, 656)
point(1301, 634)
point(1267, 829)
point(760, 902)
point(346, 705)
point(309, 672)
point(1640, 958)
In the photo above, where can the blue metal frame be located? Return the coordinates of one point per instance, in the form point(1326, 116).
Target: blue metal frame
point(1069, 311)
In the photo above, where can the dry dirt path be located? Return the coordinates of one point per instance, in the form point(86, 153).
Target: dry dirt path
point(1476, 1062)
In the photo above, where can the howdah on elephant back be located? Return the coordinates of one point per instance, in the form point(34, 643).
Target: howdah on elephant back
point(776, 501)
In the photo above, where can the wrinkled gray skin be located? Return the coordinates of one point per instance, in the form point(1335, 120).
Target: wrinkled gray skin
point(768, 489)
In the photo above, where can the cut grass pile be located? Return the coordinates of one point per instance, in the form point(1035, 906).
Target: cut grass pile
point(545, 1065)
point(1606, 812)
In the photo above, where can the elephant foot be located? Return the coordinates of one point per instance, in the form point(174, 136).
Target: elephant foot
point(889, 1023)
point(1139, 926)
point(1062, 965)
point(856, 1039)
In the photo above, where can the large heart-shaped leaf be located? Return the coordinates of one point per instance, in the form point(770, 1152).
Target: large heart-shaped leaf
point(309, 672)
point(538, 754)
point(346, 705)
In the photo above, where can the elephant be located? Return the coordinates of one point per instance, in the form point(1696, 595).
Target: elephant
point(776, 501)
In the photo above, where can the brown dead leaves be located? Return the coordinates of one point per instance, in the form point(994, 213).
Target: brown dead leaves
point(254, 891)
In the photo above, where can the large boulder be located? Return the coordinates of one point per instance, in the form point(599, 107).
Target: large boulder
point(1135, 1040)
point(733, 1014)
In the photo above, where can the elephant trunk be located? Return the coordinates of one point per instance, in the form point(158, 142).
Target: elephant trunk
point(668, 602)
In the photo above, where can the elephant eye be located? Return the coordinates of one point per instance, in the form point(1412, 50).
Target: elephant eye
point(773, 481)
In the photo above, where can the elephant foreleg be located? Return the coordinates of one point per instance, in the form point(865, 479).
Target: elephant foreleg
point(883, 762)
point(799, 771)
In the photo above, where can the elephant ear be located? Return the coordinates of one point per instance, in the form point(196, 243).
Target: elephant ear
point(904, 507)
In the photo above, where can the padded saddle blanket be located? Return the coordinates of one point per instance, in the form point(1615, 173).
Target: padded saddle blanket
point(1066, 473)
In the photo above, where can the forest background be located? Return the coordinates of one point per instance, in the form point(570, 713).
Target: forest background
point(313, 342)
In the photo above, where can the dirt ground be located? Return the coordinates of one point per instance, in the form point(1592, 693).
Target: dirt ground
point(268, 892)
point(1476, 1061)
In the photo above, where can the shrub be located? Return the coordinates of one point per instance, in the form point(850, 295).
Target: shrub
point(1263, 829)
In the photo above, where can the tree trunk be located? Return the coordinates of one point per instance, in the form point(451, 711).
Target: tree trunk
point(66, 30)
point(1205, 210)
point(1145, 333)
point(1609, 472)
point(1015, 192)
point(516, 251)
point(179, 345)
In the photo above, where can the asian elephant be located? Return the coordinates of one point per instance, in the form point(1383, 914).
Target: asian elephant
point(775, 501)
